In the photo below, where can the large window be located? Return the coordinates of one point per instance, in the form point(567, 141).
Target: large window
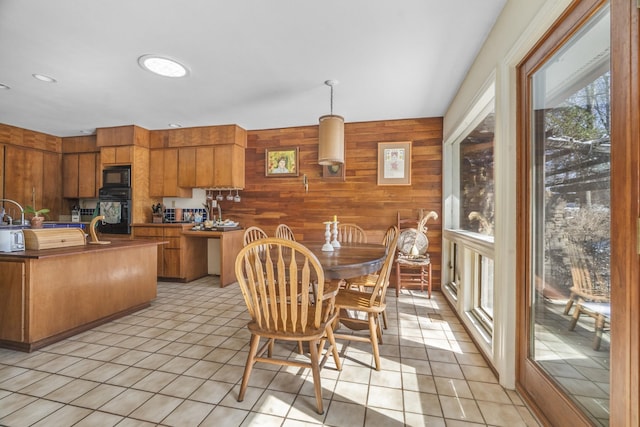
point(468, 236)
point(476, 178)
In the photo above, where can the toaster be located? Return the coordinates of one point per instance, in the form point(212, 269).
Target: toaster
point(11, 240)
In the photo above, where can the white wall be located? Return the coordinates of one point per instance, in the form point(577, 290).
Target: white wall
point(520, 25)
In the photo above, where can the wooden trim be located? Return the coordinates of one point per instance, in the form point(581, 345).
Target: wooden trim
point(538, 389)
point(625, 295)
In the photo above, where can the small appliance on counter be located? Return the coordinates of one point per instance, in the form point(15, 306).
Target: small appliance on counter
point(75, 213)
point(11, 240)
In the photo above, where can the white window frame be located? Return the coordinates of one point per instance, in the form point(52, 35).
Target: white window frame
point(470, 246)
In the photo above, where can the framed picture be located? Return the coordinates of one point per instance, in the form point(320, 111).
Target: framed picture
point(281, 161)
point(394, 163)
point(333, 172)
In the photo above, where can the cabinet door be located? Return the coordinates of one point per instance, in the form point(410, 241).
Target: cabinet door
point(120, 155)
point(173, 258)
point(70, 175)
point(12, 301)
point(87, 185)
point(163, 174)
point(51, 184)
point(156, 173)
point(229, 166)
point(205, 167)
point(152, 233)
point(172, 263)
point(170, 175)
point(24, 177)
point(187, 167)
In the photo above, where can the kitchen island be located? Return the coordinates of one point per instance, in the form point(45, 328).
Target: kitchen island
point(184, 258)
point(48, 295)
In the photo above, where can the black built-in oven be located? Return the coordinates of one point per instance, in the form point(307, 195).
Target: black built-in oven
point(115, 205)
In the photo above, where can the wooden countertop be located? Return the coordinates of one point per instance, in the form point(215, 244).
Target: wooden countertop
point(163, 224)
point(211, 234)
point(76, 250)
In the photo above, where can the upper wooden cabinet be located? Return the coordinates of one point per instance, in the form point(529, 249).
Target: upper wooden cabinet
point(122, 135)
point(195, 167)
point(80, 167)
point(116, 155)
point(80, 175)
point(32, 177)
point(196, 136)
point(163, 174)
point(207, 157)
point(228, 169)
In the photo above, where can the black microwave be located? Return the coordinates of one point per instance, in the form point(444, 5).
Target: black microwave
point(116, 176)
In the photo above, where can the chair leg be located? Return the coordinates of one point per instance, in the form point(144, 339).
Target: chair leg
point(574, 318)
point(384, 319)
point(315, 370)
point(271, 343)
point(253, 350)
point(374, 339)
point(398, 284)
point(334, 347)
point(569, 303)
point(422, 279)
point(429, 278)
point(599, 328)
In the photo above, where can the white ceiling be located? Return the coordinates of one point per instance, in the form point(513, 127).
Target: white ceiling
point(256, 63)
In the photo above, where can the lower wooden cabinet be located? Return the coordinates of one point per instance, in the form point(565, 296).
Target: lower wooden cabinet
point(12, 301)
point(179, 258)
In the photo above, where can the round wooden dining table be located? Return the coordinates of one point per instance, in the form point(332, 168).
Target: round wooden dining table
point(350, 260)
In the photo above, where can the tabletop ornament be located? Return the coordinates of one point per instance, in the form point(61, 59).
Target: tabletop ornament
point(327, 247)
point(334, 233)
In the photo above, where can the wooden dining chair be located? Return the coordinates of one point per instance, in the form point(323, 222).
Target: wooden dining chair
point(590, 292)
point(413, 263)
point(372, 302)
point(368, 281)
point(279, 312)
point(283, 231)
point(253, 233)
point(351, 233)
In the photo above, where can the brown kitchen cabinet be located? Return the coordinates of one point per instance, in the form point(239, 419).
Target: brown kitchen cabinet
point(32, 177)
point(80, 175)
point(163, 174)
point(195, 167)
point(12, 301)
point(228, 169)
point(179, 259)
point(121, 155)
point(211, 166)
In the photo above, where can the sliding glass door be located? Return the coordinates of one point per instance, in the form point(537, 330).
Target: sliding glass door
point(565, 161)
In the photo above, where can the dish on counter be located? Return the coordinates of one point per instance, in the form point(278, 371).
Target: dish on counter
point(216, 225)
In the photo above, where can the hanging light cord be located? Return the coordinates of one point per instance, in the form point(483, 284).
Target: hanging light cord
point(331, 99)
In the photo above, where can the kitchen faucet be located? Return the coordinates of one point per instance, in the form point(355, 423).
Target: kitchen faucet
point(19, 207)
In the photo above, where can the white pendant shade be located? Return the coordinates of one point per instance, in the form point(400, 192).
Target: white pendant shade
point(331, 140)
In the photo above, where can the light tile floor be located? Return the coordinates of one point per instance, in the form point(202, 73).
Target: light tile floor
point(569, 358)
point(180, 362)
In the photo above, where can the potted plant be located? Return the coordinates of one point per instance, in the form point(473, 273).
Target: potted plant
point(36, 220)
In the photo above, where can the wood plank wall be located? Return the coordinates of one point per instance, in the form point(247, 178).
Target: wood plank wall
point(269, 201)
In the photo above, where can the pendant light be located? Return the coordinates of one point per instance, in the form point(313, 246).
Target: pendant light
point(331, 135)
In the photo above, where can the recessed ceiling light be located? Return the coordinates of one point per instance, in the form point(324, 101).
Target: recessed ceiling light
point(3, 86)
point(163, 66)
point(86, 131)
point(44, 78)
point(175, 125)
